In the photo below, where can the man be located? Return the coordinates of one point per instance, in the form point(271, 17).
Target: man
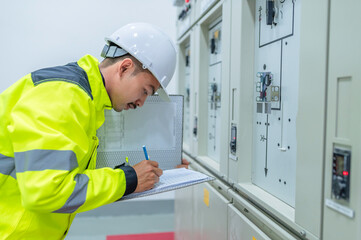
point(48, 137)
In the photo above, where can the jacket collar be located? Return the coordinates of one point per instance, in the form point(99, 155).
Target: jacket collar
point(91, 66)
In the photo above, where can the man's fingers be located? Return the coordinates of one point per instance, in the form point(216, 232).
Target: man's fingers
point(153, 163)
point(156, 179)
point(148, 174)
point(158, 172)
point(184, 161)
point(184, 164)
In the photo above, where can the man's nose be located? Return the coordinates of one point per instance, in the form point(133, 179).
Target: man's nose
point(140, 102)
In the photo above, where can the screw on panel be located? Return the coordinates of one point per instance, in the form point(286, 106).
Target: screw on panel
point(245, 210)
point(303, 233)
point(284, 183)
point(278, 144)
point(286, 43)
point(279, 119)
point(289, 119)
point(289, 147)
point(279, 180)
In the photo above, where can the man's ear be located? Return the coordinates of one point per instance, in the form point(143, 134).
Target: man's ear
point(126, 65)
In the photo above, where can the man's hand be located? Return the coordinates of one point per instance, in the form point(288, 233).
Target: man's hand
point(184, 164)
point(148, 174)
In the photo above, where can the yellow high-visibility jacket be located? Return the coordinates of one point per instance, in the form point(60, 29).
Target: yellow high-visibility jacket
point(48, 145)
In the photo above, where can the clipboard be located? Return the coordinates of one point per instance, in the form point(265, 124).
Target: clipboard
point(173, 179)
point(157, 124)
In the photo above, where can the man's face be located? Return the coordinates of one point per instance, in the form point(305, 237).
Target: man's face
point(131, 91)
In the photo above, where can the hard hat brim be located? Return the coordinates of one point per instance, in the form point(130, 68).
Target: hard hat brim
point(163, 94)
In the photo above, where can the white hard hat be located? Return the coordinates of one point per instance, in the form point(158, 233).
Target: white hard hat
point(150, 46)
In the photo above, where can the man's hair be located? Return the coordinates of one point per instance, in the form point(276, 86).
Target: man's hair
point(110, 61)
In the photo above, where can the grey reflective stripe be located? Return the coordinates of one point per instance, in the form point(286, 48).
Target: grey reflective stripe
point(7, 166)
point(77, 197)
point(38, 160)
point(13, 173)
point(71, 72)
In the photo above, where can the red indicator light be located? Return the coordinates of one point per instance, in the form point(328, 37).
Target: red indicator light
point(187, 1)
point(345, 173)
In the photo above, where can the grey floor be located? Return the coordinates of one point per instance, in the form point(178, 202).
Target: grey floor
point(143, 215)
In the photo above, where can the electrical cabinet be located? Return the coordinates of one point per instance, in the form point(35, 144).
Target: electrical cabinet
point(203, 6)
point(201, 210)
point(187, 88)
point(210, 213)
point(185, 16)
point(214, 90)
point(212, 38)
point(276, 83)
point(241, 91)
point(280, 124)
point(183, 207)
point(240, 227)
point(341, 218)
point(185, 61)
point(285, 85)
point(279, 110)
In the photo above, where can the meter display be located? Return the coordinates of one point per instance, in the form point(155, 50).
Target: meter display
point(341, 174)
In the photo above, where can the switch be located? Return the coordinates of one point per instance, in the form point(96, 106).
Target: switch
point(195, 127)
point(270, 12)
point(233, 143)
point(214, 41)
point(213, 45)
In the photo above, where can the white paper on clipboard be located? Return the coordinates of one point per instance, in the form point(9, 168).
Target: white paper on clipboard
point(171, 180)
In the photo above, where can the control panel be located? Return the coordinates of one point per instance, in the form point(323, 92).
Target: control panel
point(184, 17)
point(214, 90)
point(277, 43)
point(267, 92)
point(184, 11)
point(187, 94)
point(341, 163)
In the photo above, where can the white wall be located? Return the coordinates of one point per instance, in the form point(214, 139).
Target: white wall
point(43, 33)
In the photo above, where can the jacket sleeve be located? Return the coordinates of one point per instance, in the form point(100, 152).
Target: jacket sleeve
point(49, 128)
